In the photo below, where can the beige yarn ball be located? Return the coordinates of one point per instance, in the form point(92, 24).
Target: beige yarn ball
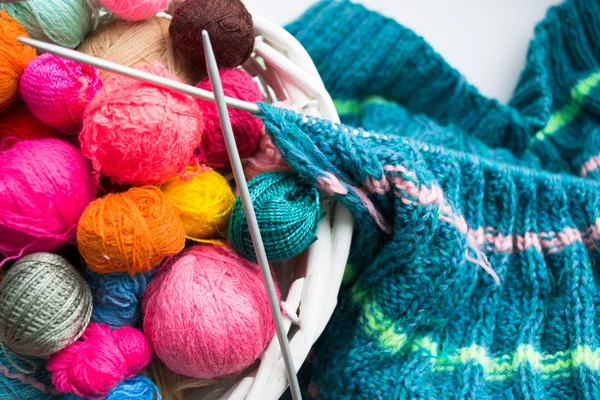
point(138, 43)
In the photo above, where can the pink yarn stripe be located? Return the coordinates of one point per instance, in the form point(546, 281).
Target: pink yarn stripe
point(27, 381)
point(408, 183)
point(489, 237)
point(591, 165)
point(550, 242)
point(332, 185)
point(381, 222)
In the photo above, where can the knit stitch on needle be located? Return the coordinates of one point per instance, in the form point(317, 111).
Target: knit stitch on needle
point(449, 189)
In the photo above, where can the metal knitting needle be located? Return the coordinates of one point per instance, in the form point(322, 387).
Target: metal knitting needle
point(136, 74)
point(240, 179)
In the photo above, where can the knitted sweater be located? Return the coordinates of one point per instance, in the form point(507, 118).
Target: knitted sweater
point(474, 268)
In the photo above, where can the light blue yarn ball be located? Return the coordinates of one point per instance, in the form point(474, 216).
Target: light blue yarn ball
point(117, 297)
point(138, 388)
point(65, 22)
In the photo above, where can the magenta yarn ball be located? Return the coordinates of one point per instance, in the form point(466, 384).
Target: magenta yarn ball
point(207, 315)
point(136, 133)
point(57, 91)
point(246, 128)
point(100, 360)
point(134, 10)
point(44, 187)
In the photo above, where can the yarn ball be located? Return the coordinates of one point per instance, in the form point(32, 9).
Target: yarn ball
point(64, 22)
point(138, 388)
point(14, 57)
point(44, 187)
point(228, 23)
point(288, 211)
point(134, 10)
point(117, 297)
point(137, 134)
point(19, 123)
point(100, 360)
point(57, 91)
point(207, 314)
point(204, 202)
point(136, 44)
point(45, 305)
point(23, 378)
point(129, 232)
point(246, 128)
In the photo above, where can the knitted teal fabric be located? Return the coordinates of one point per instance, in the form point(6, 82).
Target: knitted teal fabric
point(24, 378)
point(553, 113)
point(475, 249)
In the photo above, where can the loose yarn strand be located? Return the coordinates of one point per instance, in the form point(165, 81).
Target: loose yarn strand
point(481, 260)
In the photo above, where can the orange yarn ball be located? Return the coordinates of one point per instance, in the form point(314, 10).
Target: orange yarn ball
point(129, 232)
point(14, 57)
point(19, 123)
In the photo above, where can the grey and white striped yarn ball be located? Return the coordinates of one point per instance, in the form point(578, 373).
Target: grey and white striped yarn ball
point(45, 305)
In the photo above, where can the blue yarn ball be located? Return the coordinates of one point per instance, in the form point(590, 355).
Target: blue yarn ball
point(288, 211)
point(138, 388)
point(117, 297)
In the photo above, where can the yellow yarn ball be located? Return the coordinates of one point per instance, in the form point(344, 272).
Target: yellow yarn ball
point(204, 202)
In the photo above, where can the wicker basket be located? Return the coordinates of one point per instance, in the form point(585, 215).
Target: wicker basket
point(310, 283)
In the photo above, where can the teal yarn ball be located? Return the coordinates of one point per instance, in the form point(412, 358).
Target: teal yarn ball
point(288, 211)
point(64, 22)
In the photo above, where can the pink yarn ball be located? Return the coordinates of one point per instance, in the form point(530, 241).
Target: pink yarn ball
point(207, 315)
point(57, 91)
point(137, 134)
point(44, 187)
point(246, 127)
point(134, 10)
point(100, 360)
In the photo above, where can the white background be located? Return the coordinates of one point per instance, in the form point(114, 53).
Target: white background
point(486, 40)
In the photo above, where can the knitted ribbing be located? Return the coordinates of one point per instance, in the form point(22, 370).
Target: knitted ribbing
point(422, 319)
point(553, 112)
point(24, 378)
point(393, 120)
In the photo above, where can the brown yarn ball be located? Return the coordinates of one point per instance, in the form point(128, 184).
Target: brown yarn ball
point(139, 43)
point(228, 23)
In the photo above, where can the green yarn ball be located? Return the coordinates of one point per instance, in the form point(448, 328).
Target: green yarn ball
point(288, 211)
point(64, 22)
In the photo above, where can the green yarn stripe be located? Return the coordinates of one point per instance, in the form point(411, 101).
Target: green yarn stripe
point(377, 326)
point(352, 106)
point(557, 120)
point(570, 111)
